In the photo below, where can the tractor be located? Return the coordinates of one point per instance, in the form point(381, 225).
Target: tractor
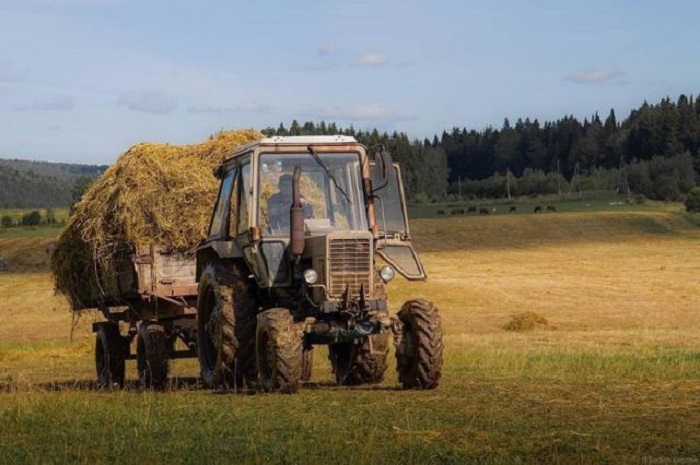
point(305, 235)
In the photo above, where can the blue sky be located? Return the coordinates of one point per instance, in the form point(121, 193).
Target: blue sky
point(82, 80)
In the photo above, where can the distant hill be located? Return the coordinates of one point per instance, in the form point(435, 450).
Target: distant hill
point(40, 184)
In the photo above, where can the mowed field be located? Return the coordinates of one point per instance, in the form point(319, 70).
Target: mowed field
point(612, 377)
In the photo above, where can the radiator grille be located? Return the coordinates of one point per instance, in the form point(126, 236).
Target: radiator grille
point(350, 266)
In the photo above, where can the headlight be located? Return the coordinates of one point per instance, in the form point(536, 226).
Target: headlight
point(310, 276)
point(387, 274)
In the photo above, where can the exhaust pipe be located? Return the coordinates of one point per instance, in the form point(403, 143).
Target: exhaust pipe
point(296, 219)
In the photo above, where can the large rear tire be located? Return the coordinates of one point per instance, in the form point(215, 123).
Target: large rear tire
point(216, 340)
point(152, 356)
point(110, 356)
point(356, 364)
point(278, 351)
point(419, 350)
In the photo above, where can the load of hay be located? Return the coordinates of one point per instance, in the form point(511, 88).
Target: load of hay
point(154, 195)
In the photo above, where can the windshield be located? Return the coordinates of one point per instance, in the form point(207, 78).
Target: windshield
point(325, 205)
point(388, 206)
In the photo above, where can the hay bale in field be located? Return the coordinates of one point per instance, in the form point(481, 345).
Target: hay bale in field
point(526, 321)
point(153, 195)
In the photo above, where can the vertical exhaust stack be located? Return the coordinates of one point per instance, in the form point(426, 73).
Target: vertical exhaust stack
point(296, 218)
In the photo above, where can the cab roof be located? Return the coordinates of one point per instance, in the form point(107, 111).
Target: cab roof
point(296, 140)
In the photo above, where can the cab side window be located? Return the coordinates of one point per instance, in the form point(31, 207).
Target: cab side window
point(216, 226)
point(244, 203)
point(238, 215)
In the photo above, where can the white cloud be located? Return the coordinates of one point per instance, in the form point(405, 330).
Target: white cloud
point(373, 59)
point(59, 103)
point(595, 77)
point(157, 102)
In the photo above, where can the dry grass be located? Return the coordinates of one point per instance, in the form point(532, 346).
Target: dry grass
point(526, 321)
point(617, 381)
point(28, 254)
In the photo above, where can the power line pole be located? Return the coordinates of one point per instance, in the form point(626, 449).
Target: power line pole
point(558, 178)
point(508, 181)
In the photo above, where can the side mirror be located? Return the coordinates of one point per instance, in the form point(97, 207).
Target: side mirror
point(384, 164)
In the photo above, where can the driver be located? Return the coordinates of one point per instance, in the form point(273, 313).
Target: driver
point(279, 203)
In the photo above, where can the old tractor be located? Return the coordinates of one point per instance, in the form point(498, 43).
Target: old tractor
point(305, 235)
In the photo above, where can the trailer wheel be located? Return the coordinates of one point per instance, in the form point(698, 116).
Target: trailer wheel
point(355, 364)
point(216, 340)
point(110, 356)
point(278, 351)
point(419, 349)
point(152, 356)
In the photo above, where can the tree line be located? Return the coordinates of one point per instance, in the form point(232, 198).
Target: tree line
point(30, 184)
point(653, 152)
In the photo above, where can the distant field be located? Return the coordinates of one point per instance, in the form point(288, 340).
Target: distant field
point(61, 214)
point(586, 203)
point(613, 376)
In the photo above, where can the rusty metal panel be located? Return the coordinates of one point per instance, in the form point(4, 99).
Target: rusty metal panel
point(173, 275)
point(350, 264)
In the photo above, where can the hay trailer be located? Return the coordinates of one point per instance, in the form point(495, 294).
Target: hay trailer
point(151, 299)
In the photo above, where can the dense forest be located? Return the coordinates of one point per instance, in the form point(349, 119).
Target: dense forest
point(35, 184)
point(653, 152)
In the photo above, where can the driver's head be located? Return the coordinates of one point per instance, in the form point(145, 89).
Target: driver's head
point(285, 183)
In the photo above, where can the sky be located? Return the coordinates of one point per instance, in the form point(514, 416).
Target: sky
point(83, 80)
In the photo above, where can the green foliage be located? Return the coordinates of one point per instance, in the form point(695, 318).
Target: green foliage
point(28, 184)
point(663, 178)
point(692, 202)
point(81, 185)
point(6, 221)
point(31, 219)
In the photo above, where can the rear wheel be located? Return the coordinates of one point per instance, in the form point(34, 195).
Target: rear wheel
point(278, 351)
point(152, 356)
point(360, 363)
point(419, 349)
point(216, 341)
point(110, 356)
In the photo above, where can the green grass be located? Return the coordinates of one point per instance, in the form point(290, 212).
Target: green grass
point(61, 215)
point(494, 406)
point(613, 378)
point(588, 203)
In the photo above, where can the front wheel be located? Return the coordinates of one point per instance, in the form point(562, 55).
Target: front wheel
point(355, 364)
point(278, 351)
point(419, 349)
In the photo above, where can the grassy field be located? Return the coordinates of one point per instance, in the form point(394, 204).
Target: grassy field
point(612, 377)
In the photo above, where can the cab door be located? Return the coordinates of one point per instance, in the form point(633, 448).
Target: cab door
point(394, 243)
